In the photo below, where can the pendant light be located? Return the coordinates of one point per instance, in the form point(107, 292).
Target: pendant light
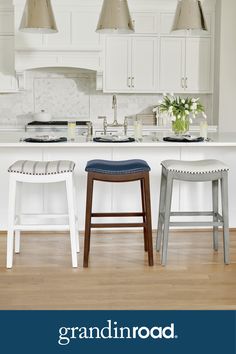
point(189, 16)
point(115, 18)
point(38, 17)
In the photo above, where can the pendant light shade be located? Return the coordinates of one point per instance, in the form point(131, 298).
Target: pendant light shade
point(189, 16)
point(115, 18)
point(38, 17)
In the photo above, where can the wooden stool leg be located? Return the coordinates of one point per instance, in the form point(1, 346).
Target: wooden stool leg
point(161, 212)
point(215, 211)
point(144, 217)
point(11, 221)
point(169, 186)
point(87, 235)
point(225, 214)
point(148, 219)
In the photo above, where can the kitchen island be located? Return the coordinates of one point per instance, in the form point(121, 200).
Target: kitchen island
point(125, 197)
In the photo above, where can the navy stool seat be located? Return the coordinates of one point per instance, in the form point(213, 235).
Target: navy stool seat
point(117, 167)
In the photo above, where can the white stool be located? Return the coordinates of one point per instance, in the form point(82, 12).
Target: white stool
point(41, 172)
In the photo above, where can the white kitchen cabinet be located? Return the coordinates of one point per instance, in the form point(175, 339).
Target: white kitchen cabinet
point(130, 64)
point(198, 65)
point(185, 65)
point(145, 22)
point(8, 82)
point(172, 64)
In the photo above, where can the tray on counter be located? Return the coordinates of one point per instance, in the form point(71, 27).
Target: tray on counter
point(45, 139)
point(184, 139)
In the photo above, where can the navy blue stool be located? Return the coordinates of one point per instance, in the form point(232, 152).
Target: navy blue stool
point(118, 172)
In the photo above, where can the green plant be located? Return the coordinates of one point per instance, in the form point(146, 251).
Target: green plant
point(180, 108)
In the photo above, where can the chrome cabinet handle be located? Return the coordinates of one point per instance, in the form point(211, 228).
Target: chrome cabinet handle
point(186, 82)
point(182, 82)
point(132, 81)
point(128, 81)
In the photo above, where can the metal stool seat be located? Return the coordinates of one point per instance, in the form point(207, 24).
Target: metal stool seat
point(193, 171)
point(118, 172)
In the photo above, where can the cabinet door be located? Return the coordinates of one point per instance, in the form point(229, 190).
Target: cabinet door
point(8, 81)
point(172, 64)
point(198, 65)
point(117, 74)
point(144, 64)
point(144, 22)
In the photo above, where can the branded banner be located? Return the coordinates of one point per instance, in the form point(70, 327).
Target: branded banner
point(164, 332)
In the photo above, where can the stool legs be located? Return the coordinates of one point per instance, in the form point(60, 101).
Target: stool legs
point(148, 220)
point(161, 212)
point(168, 198)
point(144, 216)
point(11, 220)
point(225, 214)
point(87, 235)
point(72, 223)
point(215, 204)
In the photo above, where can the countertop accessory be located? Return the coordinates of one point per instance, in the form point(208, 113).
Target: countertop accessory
point(184, 139)
point(119, 172)
point(41, 172)
point(213, 171)
point(42, 116)
point(45, 139)
point(113, 139)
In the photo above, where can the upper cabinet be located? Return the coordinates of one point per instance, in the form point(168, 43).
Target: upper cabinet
point(185, 65)
point(151, 60)
point(145, 22)
point(130, 64)
point(154, 59)
point(8, 82)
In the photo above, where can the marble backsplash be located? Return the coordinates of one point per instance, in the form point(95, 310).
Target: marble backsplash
point(73, 94)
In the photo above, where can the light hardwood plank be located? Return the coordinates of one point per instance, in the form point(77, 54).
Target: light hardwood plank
point(118, 276)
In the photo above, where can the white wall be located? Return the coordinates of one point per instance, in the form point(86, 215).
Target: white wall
point(227, 83)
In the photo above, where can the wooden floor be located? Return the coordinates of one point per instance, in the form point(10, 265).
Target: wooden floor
point(118, 276)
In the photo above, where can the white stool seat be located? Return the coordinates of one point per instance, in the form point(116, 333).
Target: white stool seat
point(195, 167)
point(42, 168)
point(48, 172)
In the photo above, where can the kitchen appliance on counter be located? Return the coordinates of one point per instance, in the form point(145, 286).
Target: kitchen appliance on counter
point(59, 126)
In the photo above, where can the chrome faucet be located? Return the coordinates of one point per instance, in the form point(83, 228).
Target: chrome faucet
point(115, 121)
point(114, 107)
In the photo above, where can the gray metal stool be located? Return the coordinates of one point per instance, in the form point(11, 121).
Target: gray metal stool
point(193, 171)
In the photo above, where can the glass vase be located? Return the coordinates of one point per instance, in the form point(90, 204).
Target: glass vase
point(180, 126)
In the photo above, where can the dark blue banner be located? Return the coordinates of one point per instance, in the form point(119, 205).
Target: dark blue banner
point(89, 332)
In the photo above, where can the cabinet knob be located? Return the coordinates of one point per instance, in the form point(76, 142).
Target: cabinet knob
point(128, 81)
point(186, 82)
point(183, 82)
point(132, 81)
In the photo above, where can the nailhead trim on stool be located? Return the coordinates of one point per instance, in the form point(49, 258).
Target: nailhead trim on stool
point(42, 168)
point(195, 167)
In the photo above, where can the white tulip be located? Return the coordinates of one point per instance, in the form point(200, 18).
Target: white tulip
point(183, 101)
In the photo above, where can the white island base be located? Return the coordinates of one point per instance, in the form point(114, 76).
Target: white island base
point(115, 197)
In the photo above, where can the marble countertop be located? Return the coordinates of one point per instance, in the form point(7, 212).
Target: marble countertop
point(14, 139)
